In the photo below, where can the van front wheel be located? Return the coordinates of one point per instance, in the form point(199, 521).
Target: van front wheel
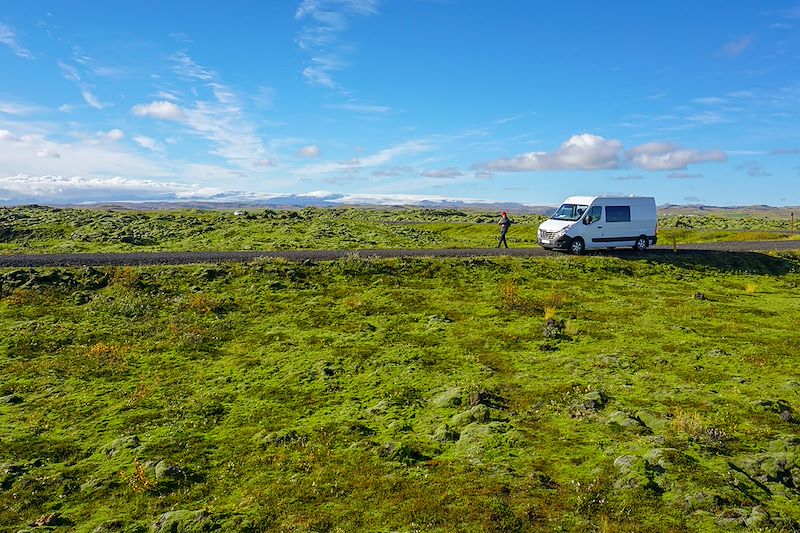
point(577, 246)
point(641, 243)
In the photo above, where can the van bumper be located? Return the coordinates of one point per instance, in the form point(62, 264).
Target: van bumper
point(562, 243)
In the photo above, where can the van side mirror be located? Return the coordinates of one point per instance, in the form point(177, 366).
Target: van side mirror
point(587, 220)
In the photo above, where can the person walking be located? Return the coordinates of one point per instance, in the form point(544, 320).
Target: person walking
point(504, 223)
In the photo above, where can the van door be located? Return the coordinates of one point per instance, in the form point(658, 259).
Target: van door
point(618, 227)
point(593, 227)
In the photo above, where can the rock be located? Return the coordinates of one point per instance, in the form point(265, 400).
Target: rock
point(650, 419)
point(700, 296)
point(10, 399)
point(166, 472)
point(701, 501)
point(479, 413)
point(772, 406)
point(51, 520)
point(757, 519)
point(624, 420)
point(8, 474)
point(119, 526)
point(594, 400)
point(283, 436)
point(553, 328)
point(438, 319)
point(449, 398)
point(786, 416)
point(445, 433)
point(626, 463)
point(401, 452)
point(183, 521)
point(131, 442)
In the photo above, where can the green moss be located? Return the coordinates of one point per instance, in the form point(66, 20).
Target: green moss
point(404, 394)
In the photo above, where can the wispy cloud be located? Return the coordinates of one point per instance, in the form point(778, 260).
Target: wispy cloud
point(361, 108)
point(220, 119)
point(447, 173)
point(71, 73)
point(668, 156)
point(709, 100)
point(149, 143)
point(786, 151)
point(9, 38)
point(630, 177)
point(10, 108)
point(680, 175)
point(754, 169)
point(326, 21)
point(579, 152)
point(735, 48)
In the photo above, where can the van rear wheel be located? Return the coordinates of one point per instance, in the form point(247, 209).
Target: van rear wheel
point(577, 247)
point(641, 243)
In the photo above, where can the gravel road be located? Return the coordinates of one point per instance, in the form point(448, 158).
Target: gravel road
point(186, 258)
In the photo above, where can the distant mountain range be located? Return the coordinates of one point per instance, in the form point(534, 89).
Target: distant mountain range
point(331, 200)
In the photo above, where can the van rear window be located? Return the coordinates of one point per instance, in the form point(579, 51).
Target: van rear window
point(618, 213)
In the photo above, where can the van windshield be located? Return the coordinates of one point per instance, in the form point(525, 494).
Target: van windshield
point(569, 212)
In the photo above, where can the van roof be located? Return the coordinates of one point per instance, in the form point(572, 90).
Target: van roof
point(586, 200)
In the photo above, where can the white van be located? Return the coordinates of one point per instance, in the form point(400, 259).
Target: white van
point(592, 222)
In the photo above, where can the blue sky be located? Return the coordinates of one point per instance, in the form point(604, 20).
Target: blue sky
point(397, 100)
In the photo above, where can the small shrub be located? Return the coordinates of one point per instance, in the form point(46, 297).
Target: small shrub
point(124, 277)
point(139, 481)
point(549, 313)
point(750, 288)
point(687, 422)
point(509, 298)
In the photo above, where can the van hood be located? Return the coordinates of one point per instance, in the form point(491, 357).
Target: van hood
point(553, 225)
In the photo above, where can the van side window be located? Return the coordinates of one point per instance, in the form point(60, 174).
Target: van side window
point(594, 214)
point(618, 213)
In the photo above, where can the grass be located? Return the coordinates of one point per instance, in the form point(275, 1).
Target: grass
point(404, 395)
point(49, 230)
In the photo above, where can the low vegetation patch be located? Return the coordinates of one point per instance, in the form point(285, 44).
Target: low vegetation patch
point(557, 394)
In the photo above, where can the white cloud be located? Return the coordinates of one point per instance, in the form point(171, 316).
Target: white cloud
point(149, 143)
point(450, 172)
point(263, 163)
point(630, 177)
point(46, 152)
point(159, 109)
point(112, 135)
point(8, 38)
point(61, 189)
point(735, 48)
point(6, 135)
point(66, 108)
point(34, 154)
point(309, 151)
point(667, 156)
point(579, 152)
